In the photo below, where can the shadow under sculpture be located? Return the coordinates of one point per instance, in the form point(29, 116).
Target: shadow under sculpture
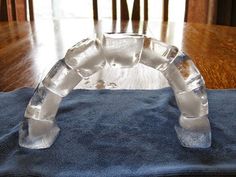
point(39, 128)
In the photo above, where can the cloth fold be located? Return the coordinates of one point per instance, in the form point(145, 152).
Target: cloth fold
point(119, 133)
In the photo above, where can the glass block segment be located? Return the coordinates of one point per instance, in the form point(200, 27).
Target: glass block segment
point(122, 50)
point(43, 105)
point(157, 54)
point(182, 74)
point(86, 57)
point(61, 79)
point(193, 103)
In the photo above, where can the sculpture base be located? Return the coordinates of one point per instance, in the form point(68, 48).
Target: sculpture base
point(194, 132)
point(37, 134)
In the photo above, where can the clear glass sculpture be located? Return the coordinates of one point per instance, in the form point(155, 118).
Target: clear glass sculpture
point(39, 129)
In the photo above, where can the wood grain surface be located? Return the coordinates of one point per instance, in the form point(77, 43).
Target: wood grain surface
point(29, 49)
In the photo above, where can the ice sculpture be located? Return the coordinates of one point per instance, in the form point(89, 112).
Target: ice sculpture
point(39, 129)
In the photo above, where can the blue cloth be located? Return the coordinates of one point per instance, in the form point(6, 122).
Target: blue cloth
point(119, 133)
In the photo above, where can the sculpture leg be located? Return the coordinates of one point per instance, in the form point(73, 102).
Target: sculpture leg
point(194, 128)
point(39, 129)
point(194, 132)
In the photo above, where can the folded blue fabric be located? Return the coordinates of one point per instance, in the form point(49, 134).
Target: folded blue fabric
point(119, 133)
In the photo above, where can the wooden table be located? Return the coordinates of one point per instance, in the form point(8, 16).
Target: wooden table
point(28, 49)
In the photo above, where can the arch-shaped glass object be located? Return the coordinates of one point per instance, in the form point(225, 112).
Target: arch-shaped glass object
point(39, 128)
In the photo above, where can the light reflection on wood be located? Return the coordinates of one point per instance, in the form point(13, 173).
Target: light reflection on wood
point(26, 49)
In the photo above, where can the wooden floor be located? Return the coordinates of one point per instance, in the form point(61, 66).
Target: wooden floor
point(29, 49)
